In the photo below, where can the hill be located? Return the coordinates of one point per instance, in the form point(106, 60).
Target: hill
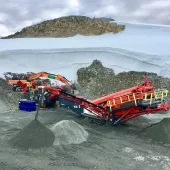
point(69, 26)
point(96, 80)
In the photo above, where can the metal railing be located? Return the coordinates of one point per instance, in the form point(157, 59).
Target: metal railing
point(158, 94)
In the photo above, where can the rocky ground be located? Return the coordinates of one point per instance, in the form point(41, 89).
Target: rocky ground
point(79, 145)
point(70, 26)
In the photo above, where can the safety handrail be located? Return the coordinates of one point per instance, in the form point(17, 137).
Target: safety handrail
point(146, 96)
point(161, 94)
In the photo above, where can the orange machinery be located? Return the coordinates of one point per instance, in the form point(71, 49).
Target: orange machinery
point(49, 76)
point(14, 85)
point(135, 101)
point(31, 80)
point(11, 82)
point(121, 106)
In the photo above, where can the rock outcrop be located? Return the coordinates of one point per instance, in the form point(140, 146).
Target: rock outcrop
point(97, 81)
point(68, 27)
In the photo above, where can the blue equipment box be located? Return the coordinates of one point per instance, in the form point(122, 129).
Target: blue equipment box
point(27, 105)
point(71, 105)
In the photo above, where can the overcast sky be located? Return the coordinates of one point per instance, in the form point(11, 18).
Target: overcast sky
point(16, 14)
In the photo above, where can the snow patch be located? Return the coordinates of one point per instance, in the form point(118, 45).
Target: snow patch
point(149, 43)
point(144, 38)
point(68, 61)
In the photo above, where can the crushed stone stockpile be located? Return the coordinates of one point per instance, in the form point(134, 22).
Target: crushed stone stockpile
point(34, 135)
point(159, 132)
point(97, 80)
point(8, 98)
point(69, 132)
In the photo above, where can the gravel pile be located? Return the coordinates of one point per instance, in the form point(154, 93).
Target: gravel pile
point(69, 132)
point(159, 132)
point(9, 99)
point(34, 135)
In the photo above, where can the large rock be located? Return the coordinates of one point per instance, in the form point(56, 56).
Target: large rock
point(95, 71)
point(97, 81)
point(93, 81)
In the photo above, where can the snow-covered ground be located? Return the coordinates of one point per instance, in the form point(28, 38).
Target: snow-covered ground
point(67, 61)
point(140, 48)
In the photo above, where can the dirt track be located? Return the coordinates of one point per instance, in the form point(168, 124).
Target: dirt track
point(106, 147)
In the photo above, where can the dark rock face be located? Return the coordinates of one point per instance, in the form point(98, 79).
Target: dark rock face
point(34, 135)
point(68, 27)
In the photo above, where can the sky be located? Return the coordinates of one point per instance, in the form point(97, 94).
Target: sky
point(17, 14)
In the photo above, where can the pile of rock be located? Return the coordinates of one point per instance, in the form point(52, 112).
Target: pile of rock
point(159, 132)
point(34, 135)
point(8, 97)
point(97, 81)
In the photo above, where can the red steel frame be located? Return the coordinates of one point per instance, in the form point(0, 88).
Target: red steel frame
point(117, 113)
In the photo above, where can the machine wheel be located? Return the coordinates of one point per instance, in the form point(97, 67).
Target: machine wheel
point(13, 88)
